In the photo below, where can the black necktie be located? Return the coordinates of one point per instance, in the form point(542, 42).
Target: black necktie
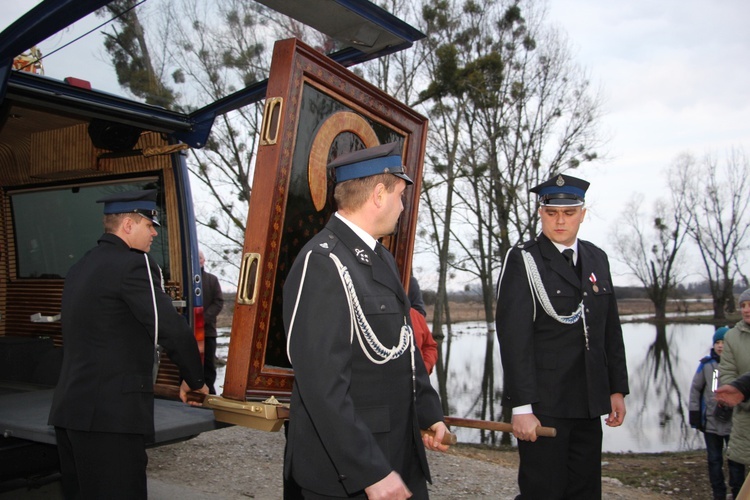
point(568, 254)
point(379, 249)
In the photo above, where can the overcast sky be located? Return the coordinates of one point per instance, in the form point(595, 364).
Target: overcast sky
point(674, 76)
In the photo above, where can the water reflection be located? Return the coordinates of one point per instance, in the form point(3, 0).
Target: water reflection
point(661, 363)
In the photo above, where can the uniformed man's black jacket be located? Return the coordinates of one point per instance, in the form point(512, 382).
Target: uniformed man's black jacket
point(352, 421)
point(546, 363)
point(106, 380)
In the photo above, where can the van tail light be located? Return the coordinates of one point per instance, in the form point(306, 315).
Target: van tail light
point(199, 329)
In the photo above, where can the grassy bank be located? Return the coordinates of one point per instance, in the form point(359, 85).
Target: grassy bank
point(681, 474)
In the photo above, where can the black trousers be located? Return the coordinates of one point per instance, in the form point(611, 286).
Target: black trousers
point(96, 465)
point(568, 466)
point(715, 451)
point(209, 363)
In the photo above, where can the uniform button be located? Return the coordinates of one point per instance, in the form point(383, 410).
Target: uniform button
point(342, 477)
point(588, 310)
point(382, 307)
point(585, 294)
point(559, 292)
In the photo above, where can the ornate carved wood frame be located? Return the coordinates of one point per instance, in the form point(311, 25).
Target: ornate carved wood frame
point(315, 110)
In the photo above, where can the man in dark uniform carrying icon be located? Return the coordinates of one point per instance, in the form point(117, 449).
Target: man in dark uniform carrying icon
point(361, 393)
point(103, 406)
point(561, 347)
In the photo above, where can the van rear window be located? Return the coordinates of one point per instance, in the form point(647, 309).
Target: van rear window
point(53, 228)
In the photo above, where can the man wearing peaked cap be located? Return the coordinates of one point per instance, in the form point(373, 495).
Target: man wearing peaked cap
point(561, 347)
point(361, 392)
point(114, 311)
point(140, 201)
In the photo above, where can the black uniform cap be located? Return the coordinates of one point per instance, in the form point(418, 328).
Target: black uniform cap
point(561, 190)
point(383, 159)
point(140, 201)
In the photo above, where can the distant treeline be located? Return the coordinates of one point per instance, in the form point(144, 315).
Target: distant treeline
point(472, 294)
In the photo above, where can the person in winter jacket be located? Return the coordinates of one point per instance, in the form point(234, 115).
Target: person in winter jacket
point(714, 420)
point(735, 361)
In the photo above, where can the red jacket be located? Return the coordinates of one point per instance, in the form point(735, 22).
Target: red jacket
point(423, 337)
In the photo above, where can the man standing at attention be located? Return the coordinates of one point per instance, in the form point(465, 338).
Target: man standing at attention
point(103, 406)
point(213, 303)
point(361, 393)
point(561, 347)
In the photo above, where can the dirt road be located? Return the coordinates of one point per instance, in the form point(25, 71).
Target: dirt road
point(239, 463)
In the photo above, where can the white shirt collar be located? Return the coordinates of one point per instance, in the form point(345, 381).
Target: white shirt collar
point(573, 247)
point(366, 237)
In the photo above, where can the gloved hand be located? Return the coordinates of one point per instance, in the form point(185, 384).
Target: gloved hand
point(696, 422)
point(723, 413)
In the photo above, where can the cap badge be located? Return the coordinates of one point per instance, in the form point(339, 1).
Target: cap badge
point(362, 256)
point(560, 181)
point(324, 245)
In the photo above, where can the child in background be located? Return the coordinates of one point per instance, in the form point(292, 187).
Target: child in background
point(714, 420)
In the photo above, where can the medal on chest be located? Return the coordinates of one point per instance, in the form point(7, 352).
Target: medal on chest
point(592, 279)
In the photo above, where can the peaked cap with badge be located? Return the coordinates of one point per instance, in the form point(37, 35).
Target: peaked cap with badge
point(561, 190)
point(383, 159)
point(139, 201)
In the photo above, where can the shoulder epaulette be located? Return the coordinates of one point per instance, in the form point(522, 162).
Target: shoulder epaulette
point(525, 245)
point(324, 243)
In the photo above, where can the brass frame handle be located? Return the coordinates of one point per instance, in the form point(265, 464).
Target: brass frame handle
point(247, 288)
point(271, 121)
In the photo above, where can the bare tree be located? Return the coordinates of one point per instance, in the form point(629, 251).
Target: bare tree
point(718, 199)
point(655, 383)
point(651, 250)
point(222, 48)
point(211, 50)
point(137, 68)
point(399, 74)
point(445, 112)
